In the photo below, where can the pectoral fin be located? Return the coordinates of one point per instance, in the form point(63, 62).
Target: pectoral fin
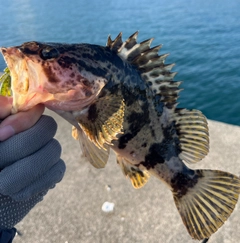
point(103, 121)
point(138, 177)
point(98, 157)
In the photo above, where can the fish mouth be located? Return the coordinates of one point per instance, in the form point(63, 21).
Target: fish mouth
point(23, 89)
point(31, 84)
point(16, 67)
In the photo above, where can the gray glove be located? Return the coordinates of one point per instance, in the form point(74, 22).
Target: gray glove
point(30, 165)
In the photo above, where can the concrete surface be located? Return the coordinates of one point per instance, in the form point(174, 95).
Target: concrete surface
point(71, 212)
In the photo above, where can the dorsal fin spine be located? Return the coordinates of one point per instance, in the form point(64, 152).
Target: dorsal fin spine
point(115, 44)
point(148, 54)
point(150, 64)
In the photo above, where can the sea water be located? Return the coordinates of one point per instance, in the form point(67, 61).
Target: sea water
point(202, 37)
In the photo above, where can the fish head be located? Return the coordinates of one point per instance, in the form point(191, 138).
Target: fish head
point(50, 73)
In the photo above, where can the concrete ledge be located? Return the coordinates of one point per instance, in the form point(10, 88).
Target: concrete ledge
point(71, 213)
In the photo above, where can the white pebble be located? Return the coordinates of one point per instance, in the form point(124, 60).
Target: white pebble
point(108, 188)
point(108, 207)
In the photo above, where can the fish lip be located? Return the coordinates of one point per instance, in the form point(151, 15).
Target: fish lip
point(19, 83)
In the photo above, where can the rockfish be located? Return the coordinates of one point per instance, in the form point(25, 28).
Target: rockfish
point(123, 97)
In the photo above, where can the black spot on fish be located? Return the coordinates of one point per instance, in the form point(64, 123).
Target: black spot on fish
point(182, 181)
point(86, 82)
point(154, 156)
point(28, 51)
point(153, 132)
point(144, 145)
point(170, 144)
point(72, 75)
point(92, 113)
point(99, 53)
point(29, 48)
point(158, 104)
point(97, 71)
point(50, 74)
point(136, 122)
point(88, 92)
point(66, 62)
point(160, 152)
point(123, 140)
point(69, 83)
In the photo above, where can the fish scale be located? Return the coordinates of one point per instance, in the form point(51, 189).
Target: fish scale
point(123, 97)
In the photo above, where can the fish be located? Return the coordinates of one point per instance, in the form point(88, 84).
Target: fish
point(123, 97)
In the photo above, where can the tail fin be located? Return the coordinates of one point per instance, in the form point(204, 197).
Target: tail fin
point(206, 205)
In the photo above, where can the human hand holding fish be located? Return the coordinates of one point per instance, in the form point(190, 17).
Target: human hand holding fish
point(123, 97)
point(16, 123)
point(30, 163)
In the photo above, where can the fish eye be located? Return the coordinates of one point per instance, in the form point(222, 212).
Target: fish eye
point(49, 53)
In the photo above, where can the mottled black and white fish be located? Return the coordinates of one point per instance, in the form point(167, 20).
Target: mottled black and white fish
point(123, 97)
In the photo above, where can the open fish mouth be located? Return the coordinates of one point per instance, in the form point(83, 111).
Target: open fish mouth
point(17, 67)
point(19, 71)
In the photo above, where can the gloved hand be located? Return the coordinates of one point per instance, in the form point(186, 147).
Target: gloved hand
point(30, 165)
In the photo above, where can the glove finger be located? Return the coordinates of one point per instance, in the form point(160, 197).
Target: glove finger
point(24, 172)
point(25, 143)
point(45, 182)
point(13, 212)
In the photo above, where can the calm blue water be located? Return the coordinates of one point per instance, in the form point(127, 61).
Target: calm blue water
point(203, 38)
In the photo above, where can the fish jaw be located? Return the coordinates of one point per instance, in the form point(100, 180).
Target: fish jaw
point(27, 90)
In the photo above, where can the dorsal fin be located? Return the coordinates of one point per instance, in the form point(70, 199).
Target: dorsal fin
point(151, 66)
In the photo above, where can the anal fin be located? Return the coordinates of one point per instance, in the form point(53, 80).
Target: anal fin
point(138, 177)
point(205, 206)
